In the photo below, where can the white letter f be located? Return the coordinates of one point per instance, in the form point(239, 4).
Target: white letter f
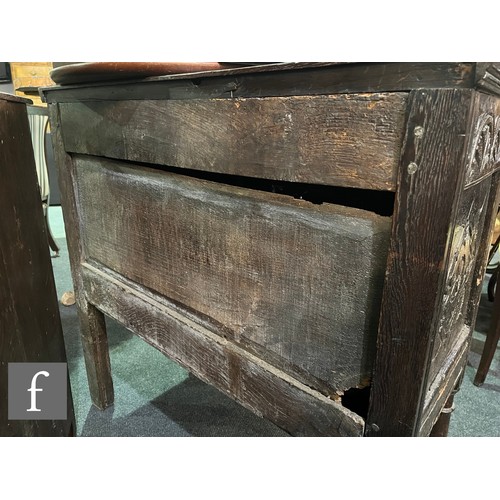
point(34, 389)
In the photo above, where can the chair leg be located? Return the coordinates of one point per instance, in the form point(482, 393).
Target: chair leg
point(492, 285)
point(490, 345)
point(52, 242)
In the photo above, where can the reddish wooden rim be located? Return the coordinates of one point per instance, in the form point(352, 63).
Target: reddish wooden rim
point(109, 71)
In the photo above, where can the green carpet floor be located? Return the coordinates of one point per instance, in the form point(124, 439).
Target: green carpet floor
point(154, 396)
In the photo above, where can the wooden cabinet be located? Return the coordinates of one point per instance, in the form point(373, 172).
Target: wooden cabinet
point(308, 238)
point(30, 326)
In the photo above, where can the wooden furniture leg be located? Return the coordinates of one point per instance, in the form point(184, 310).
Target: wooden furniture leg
point(442, 425)
point(96, 353)
point(430, 181)
point(39, 123)
point(490, 345)
point(52, 242)
point(92, 323)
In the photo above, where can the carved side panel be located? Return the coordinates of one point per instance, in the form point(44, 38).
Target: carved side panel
point(467, 248)
point(466, 235)
point(465, 242)
point(484, 153)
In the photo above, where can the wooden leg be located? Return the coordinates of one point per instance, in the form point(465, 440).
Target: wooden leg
point(490, 344)
point(492, 285)
point(442, 424)
point(52, 242)
point(93, 326)
point(96, 353)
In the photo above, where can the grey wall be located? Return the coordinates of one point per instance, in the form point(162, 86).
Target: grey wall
point(8, 88)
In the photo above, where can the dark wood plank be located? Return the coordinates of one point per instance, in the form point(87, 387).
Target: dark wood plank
point(251, 381)
point(297, 282)
point(30, 326)
point(431, 176)
point(352, 141)
point(93, 329)
point(14, 98)
point(292, 79)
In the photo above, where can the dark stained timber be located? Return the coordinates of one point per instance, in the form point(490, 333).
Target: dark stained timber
point(248, 379)
point(203, 212)
point(92, 323)
point(280, 80)
point(431, 177)
point(298, 283)
point(30, 325)
point(351, 141)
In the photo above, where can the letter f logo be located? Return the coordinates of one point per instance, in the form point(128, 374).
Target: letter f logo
point(34, 389)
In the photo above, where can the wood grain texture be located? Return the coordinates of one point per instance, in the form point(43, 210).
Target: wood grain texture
point(93, 328)
point(431, 176)
point(484, 250)
point(254, 383)
point(445, 382)
point(30, 325)
point(14, 98)
point(298, 283)
point(467, 234)
point(109, 71)
point(442, 424)
point(280, 80)
point(483, 157)
point(488, 77)
point(340, 140)
point(482, 162)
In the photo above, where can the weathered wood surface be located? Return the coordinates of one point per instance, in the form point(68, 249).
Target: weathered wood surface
point(92, 324)
point(483, 160)
point(488, 77)
point(466, 235)
point(14, 98)
point(404, 399)
point(296, 282)
point(281, 80)
point(494, 330)
point(484, 250)
point(343, 140)
point(442, 425)
point(445, 382)
point(257, 385)
point(30, 326)
point(431, 177)
point(484, 152)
